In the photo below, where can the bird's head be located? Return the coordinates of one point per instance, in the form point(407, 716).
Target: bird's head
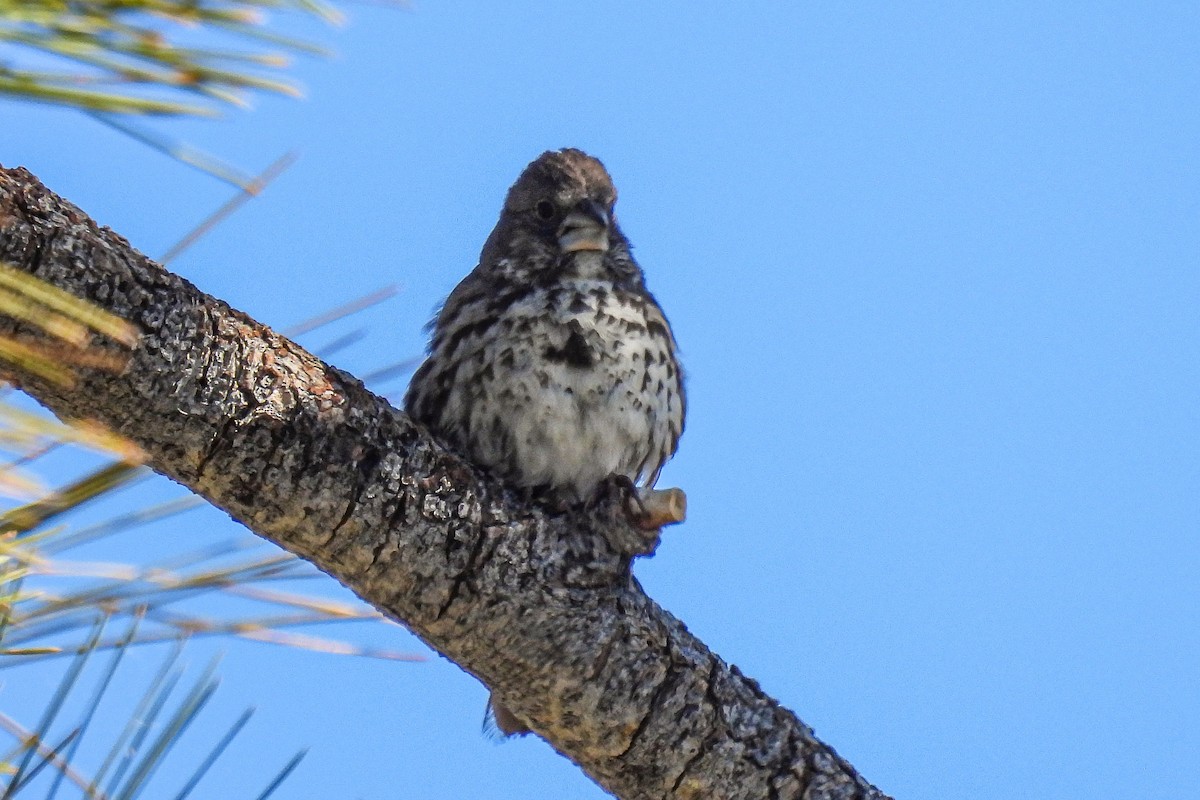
point(561, 205)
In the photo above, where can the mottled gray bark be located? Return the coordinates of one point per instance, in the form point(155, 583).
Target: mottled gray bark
point(540, 607)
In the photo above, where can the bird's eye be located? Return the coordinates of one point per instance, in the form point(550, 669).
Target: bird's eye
point(545, 210)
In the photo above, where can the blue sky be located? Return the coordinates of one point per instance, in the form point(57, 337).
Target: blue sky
point(933, 270)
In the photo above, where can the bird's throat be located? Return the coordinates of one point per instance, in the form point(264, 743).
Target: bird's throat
point(588, 265)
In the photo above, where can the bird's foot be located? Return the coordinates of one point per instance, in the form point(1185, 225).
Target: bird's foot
point(645, 511)
point(613, 491)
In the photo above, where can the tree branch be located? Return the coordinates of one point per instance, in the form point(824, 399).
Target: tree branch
point(540, 607)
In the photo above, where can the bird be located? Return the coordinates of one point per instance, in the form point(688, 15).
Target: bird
point(551, 365)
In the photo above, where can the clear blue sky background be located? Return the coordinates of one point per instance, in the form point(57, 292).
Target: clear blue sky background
point(934, 270)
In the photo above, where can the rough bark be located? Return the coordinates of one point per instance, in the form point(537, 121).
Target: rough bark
point(539, 606)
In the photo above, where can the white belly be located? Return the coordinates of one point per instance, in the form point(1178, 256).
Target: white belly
point(544, 422)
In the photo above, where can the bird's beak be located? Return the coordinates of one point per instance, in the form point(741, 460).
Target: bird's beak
point(585, 228)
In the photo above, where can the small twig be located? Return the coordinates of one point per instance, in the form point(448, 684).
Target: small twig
point(661, 507)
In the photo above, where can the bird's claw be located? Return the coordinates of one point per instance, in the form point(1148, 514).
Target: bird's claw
point(645, 511)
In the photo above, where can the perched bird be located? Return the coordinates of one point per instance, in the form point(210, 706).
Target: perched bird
point(551, 364)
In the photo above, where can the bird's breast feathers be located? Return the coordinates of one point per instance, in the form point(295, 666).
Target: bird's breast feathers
point(574, 382)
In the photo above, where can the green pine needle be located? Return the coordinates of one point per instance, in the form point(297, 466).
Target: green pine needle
point(136, 50)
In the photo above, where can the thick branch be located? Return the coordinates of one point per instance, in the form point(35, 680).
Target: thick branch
point(540, 607)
